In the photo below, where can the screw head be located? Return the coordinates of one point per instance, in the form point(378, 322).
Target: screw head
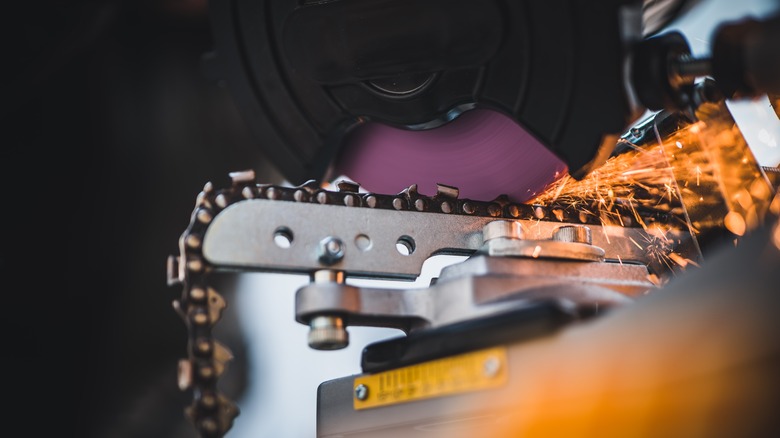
point(327, 333)
point(491, 367)
point(331, 250)
point(573, 234)
point(361, 392)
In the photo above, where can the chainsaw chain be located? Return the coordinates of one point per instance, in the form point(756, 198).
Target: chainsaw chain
point(201, 305)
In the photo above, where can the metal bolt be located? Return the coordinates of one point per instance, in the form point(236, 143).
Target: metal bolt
point(361, 392)
point(221, 200)
point(200, 319)
point(689, 68)
point(491, 367)
point(209, 425)
point(350, 200)
point(247, 193)
point(331, 250)
point(206, 372)
point(506, 229)
point(194, 265)
point(328, 276)
point(193, 241)
point(327, 333)
point(573, 233)
point(208, 401)
point(204, 216)
point(203, 346)
point(197, 294)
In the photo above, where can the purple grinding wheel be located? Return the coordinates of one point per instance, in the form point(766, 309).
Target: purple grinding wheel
point(481, 152)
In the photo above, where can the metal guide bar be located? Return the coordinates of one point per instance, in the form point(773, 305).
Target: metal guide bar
point(243, 235)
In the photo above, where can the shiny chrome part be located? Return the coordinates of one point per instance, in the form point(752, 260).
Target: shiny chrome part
point(327, 333)
point(361, 392)
point(193, 241)
point(221, 201)
point(322, 197)
point(330, 251)
point(242, 177)
point(204, 216)
point(351, 200)
point(573, 233)
point(505, 229)
point(479, 286)
point(197, 294)
point(548, 249)
point(328, 276)
point(238, 237)
point(195, 265)
point(446, 191)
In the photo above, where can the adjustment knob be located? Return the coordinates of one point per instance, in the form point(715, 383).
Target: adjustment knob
point(573, 233)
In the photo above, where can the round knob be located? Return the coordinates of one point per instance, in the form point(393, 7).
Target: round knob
point(327, 333)
point(505, 229)
point(573, 233)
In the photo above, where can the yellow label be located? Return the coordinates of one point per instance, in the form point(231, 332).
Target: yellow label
point(474, 371)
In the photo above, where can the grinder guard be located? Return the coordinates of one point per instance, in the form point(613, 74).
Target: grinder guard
point(303, 75)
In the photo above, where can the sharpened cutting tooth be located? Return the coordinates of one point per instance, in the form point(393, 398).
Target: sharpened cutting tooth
point(222, 355)
point(216, 305)
point(348, 186)
point(410, 191)
point(228, 411)
point(446, 191)
point(310, 186)
point(242, 177)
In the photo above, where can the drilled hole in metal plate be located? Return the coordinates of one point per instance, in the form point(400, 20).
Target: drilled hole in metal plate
point(283, 237)
point(363, 242)
point(405, 245)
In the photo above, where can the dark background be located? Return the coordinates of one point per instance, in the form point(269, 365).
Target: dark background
point(109, 131)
